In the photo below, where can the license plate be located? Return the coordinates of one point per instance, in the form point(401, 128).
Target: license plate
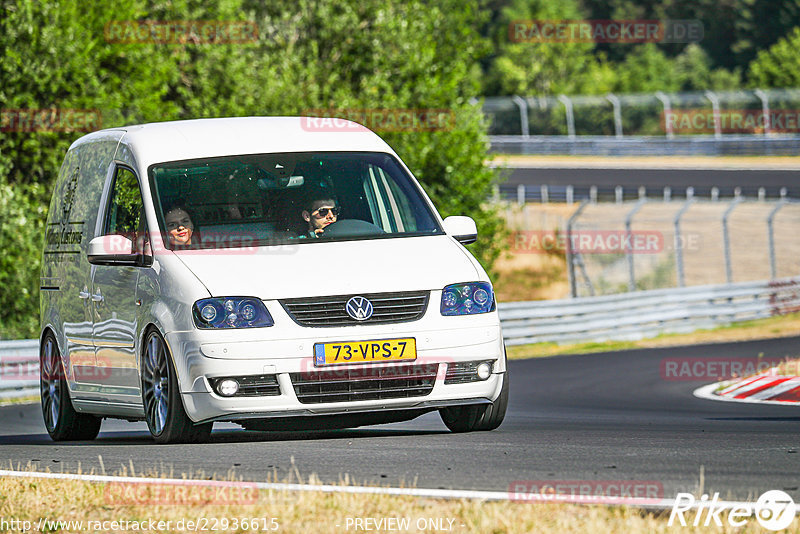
point(376, 351)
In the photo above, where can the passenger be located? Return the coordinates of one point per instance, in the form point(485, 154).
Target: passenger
point(180, 227)
point(318, 214)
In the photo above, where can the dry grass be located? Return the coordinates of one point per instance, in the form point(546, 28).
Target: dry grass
point(773, 327)
point(788, 368)
point(525, 273)
point(31, 499)
point(30, 399)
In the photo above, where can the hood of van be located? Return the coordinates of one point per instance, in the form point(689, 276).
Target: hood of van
point(332, 268)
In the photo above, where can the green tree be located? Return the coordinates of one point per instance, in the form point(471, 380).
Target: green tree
point(694, 71)
point(309, 55)
point(779, 66)
point(531, 68)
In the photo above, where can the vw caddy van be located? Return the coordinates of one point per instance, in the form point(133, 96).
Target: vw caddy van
point(261, 271)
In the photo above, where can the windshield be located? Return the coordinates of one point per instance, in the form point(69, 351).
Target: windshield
point(278, 198)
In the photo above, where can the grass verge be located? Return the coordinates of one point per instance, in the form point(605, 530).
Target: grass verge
point(772, 327)
point(90, 504)
point(30, 399)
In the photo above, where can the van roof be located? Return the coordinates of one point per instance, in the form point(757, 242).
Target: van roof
point(203, 138)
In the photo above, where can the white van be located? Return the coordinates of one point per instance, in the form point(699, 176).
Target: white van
point(260, 271)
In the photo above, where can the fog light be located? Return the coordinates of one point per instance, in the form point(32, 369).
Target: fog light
point(228, 387)
point(484, 370)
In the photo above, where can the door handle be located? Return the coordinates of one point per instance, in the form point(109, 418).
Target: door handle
point(83, 295)
point(98, 297)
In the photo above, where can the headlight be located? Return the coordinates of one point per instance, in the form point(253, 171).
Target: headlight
point(231, 312)
point(467, 299)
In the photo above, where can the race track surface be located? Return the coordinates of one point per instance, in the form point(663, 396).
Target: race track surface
point(599, 417)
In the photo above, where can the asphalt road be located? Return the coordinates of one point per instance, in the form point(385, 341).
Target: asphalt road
point(601, 417)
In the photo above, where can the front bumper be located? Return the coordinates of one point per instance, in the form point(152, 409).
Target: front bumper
point(441, 341)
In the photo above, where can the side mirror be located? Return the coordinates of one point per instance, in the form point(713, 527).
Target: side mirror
point(114, 250)
point(462, 228)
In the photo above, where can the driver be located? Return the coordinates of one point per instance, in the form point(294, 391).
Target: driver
point(318, 214)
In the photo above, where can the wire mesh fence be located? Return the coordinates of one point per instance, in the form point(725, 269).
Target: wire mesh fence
point(647, 243)
point(756, 111)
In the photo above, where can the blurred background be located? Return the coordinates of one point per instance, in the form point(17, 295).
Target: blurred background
point(547, 134)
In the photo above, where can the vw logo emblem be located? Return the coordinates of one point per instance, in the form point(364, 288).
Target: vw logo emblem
point(359, 308)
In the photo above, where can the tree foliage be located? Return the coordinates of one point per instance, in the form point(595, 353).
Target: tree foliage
point(310, 55)
point(779, 66)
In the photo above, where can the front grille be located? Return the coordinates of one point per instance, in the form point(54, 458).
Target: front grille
point(463, 372)
point(372, 383)
point(330, 311)
point(252, 385)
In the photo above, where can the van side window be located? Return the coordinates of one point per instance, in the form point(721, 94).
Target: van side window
point(125, 212)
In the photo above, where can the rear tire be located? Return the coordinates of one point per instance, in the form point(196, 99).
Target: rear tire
point(163, 407)
point(63, 423)
point(477, 417)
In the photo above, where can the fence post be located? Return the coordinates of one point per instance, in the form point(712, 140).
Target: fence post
point(617, 114)
point(521, 194)
point(564, 99)
point(764, 109)
point(667, 193)
point(544, 194)
point(523, 115)
point(715, 108)
point(570, 194)
point(679, 242)
point(618, 194)
point(714, 194)
point(726, 242)
point(667, 113)
point(629, 237)
point(773, 269)
point(573, 284)
point(593, 194)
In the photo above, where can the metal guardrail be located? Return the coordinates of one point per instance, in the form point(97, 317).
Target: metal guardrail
point(641, 314)
point(19, 368)
point(625, 316)
point(742, 122)
point(569, 194)
point(600, 145)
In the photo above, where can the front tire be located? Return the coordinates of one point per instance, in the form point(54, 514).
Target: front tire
point(477, 417)
point(63, 423)
point(163, 408)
